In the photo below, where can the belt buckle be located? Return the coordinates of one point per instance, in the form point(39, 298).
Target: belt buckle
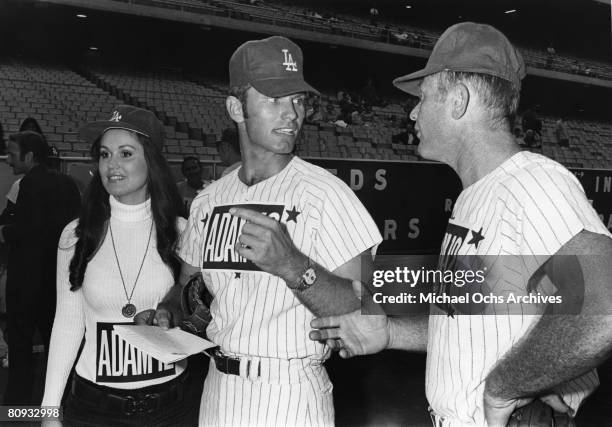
point(130, 405)
point(149, 403)
point(223, 362)
point(142, 405)
point(226, 364)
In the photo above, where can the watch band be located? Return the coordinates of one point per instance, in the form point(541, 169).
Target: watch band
point(308, 277)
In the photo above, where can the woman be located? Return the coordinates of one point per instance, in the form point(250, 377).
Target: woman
point(117, 259)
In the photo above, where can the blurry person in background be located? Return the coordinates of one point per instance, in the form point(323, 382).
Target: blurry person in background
point(30, 123)
point(46, 202)
point(229, 150)
point(193, 182)
point(561, 133)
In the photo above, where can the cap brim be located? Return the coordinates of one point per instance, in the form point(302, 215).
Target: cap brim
point(410, 82)
point(277, 88)
point(92, 131)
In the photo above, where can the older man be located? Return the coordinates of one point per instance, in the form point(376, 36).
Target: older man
point(527, 219)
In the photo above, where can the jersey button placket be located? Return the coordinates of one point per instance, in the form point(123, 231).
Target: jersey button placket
point(249, 194)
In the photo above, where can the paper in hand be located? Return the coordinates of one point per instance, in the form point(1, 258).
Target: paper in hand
point(167, 346)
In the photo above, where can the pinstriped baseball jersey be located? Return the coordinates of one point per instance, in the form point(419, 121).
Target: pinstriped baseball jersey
point(255, 313)
point(518, 215)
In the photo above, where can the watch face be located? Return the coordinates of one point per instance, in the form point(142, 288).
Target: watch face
point(309, 276)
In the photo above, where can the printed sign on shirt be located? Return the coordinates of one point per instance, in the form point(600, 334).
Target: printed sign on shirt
point(119, 362)
point(221, 232)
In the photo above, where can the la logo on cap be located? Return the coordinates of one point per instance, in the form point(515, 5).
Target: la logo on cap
point(116, 117)
point(290, 64)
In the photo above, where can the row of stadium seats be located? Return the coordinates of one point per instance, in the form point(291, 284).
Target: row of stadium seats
point(194, 116)
point(426, 39)
point(590, 143)
point(199, 111)
point(58, 98)
point(289, 15)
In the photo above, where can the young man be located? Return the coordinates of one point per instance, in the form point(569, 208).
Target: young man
point(528, 220)
point(47, 201)
point(265, 238)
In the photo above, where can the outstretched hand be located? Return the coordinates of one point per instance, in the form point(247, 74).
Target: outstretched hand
point(265, 242)
point(353, 334)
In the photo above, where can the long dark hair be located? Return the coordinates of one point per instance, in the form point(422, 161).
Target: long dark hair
point(95, 213)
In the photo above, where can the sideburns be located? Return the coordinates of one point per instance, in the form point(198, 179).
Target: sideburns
point(243, 101)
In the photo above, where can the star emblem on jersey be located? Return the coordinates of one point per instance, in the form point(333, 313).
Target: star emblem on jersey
point(292, 214)
point(204, 220)
point(237, 275)
point(476, 237)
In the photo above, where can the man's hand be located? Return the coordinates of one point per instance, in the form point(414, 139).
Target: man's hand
point(168, 313)
point(355, 334)
point(524, 411)
point(161, 317)
point(265, 242)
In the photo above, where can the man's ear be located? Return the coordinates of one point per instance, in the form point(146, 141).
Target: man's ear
point(461, 100)
point(234, 109)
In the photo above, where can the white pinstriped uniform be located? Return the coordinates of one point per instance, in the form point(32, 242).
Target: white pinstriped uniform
point(529, 205)
point(255, 315)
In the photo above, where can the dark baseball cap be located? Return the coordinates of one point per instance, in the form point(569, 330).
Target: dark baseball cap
point(127, 117)
point(473, 48)
point(273, 66)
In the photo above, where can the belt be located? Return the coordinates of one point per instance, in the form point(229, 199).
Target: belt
point(228, 364)
point(129, 402)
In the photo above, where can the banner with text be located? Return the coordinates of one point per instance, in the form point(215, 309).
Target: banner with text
point(411, 202)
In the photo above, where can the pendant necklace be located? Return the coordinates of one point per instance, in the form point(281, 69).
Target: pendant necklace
point(129, 309)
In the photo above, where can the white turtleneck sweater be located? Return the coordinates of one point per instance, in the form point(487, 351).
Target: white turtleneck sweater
point(92, 310)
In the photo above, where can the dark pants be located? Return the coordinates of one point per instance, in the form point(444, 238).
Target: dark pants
point(94, 409)
point(25, 314)
point(85, 412)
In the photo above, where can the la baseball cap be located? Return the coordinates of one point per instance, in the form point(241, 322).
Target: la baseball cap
point(273, 66)
point(469, 47)
point(127, 117)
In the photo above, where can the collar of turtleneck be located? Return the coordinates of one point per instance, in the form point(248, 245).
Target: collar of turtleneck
point(130, 213)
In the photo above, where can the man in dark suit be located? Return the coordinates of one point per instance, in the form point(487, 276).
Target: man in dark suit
point(46, 202)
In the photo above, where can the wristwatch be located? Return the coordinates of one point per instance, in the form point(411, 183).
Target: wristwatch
point(308, 278)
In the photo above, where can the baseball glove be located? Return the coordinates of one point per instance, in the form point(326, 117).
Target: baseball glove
point(195, 303)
